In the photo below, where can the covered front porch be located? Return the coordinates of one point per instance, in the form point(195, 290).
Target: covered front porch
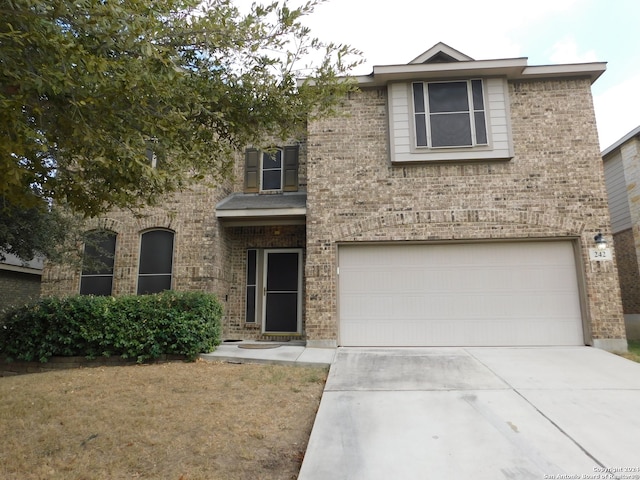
point(265, 238)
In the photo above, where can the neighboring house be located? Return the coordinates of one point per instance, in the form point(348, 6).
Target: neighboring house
point(450, 202)
point(19, 280)
point(622, 174)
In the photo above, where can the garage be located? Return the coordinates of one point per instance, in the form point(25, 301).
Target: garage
point(464, 294)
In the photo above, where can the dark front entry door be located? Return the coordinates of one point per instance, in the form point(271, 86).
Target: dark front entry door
point(282, 291)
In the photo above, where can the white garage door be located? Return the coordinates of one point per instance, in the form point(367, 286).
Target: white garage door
point(520, 293)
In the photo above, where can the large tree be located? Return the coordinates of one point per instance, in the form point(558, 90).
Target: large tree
point(90, 90)
point(38, 230)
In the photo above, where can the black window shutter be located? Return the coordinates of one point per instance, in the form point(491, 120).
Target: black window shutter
point(290, 169)
point(251, 170)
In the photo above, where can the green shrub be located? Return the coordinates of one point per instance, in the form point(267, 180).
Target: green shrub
point(142, 327)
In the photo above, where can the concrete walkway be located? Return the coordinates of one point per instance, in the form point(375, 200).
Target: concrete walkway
point(288, 353)
point(481, 413)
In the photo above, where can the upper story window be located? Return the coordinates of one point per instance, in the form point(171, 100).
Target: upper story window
point(449, 114)
point(156, 262)
point(449, 120)
point(97, 263)
point(271, 171)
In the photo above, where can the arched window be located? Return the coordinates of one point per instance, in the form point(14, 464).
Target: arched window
point(97, 263)
point(156, 262)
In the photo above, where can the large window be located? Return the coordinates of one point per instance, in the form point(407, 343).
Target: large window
point(275, 170)
point(449, 114)
point(97, 263)
point(156, 262)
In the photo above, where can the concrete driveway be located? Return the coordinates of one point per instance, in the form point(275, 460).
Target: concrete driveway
point(480, 413)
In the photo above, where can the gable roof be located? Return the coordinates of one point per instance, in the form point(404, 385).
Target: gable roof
point(442, 61)
point(441, 53)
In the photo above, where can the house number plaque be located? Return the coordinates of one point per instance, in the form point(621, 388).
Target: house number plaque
point(600, 255)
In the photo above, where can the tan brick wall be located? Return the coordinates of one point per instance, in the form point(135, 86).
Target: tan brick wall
point(208, 256)
point(237, 180)
point(241, 239)
point(200, 253)
point(552, 188)
point(628, 271)
point(17, 288)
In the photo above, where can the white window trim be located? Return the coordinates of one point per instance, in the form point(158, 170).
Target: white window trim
point(471, 112)
point(262, 170)
point(400, 118)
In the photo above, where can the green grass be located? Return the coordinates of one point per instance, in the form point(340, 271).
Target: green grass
point(634, 351)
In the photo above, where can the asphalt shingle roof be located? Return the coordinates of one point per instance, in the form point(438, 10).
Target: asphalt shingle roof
point(255, 201)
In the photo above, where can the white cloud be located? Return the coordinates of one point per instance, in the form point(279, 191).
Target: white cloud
point(617, 110)
point(566, 51)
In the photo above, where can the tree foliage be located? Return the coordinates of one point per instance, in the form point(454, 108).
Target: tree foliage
point(37, 230)
point(90, 90)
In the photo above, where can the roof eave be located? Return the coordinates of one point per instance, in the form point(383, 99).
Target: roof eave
point(388, 73)
point(20, 269)
point(261, 212)
point(623, 140)
point(265, 216)
point(592, 70)
point(511, 68)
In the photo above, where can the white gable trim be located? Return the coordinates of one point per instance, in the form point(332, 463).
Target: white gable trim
point(441, 48)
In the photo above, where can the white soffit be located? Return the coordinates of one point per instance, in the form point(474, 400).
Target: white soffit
point(508, 67)
point(261, 212)
point(463, 66)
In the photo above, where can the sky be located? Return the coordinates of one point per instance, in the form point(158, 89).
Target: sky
point(545, 31)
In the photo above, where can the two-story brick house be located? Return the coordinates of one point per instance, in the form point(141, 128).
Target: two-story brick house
point(450, 202)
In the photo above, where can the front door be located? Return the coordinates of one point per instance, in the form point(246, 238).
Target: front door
point(282, 292)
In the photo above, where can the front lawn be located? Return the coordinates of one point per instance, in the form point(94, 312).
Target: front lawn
point(179, 421)
point(634, 351)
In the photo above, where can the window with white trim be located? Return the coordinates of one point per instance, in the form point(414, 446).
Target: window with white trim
point(271, 171)
point(275, 170)
point(449, 114)
point(156, 261)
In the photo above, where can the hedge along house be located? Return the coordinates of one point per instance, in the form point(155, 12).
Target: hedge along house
point(451, 202)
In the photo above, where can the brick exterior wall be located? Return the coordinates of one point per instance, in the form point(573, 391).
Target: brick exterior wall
point(209, 256)
point(241, 239)
point(552, 188)
point(628, 271)
point(17, 288)
point(200, 249)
